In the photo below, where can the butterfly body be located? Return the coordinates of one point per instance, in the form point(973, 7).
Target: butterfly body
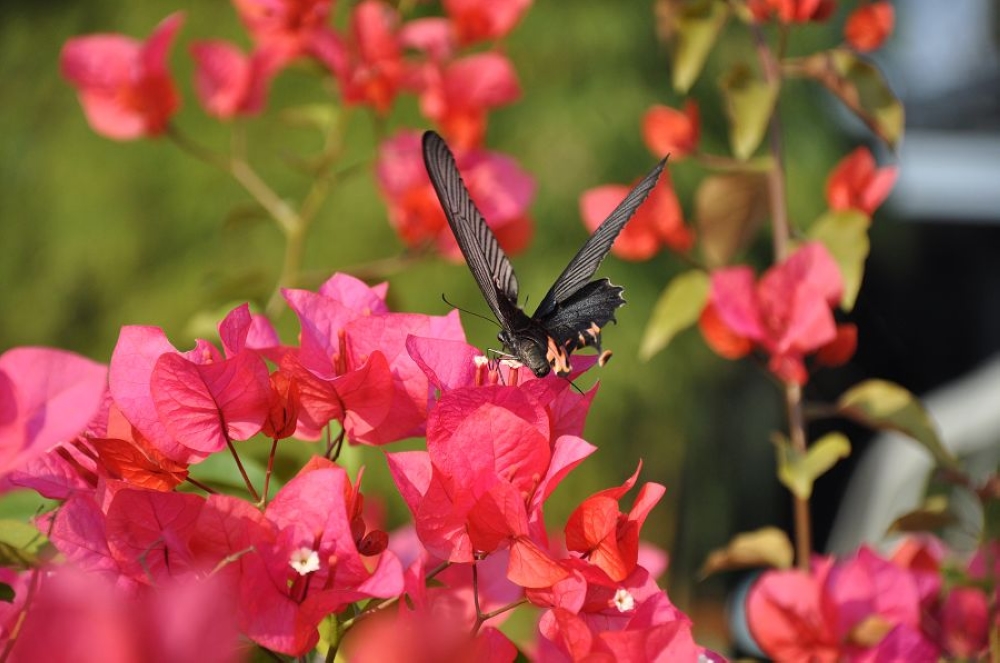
point(575, 309)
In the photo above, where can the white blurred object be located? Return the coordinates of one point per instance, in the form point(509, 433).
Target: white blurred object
point(891, 477)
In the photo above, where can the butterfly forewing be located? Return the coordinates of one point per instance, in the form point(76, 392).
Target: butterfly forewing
point(589, 258)
point(487, 261)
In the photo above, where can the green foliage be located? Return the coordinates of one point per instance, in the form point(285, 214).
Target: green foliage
point(678, 307)
point(798, 471)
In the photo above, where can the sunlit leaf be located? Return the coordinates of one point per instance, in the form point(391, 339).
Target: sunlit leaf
point(691, 27)
point(728, 211)
point(798, 471)
point(749, 106)
point(845, 235)
point(859, 85)
point(932, 516)
point(885, 405)
point(20, 544)
point(678, 307)
point(768, 547)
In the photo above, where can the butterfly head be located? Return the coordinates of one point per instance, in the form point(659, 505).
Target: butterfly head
point(537, 351)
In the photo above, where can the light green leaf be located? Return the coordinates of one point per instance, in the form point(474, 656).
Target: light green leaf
point(768, 546)
point(798, 471)
point(728, 210)
point(859, 85)
point(749, 106)
point(679, 306)
point(845, 235)
point(692, 28)
point(885, 405)
point(20, 544)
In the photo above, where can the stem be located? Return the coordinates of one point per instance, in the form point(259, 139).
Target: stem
point(270, 468)
point(475, 599)
point(239, 464)
point(797, 436)
point(780, 228)
point(781, 232)
point(15, 631)
point(195, 482)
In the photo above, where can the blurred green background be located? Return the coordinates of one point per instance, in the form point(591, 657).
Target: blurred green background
point(98, 234)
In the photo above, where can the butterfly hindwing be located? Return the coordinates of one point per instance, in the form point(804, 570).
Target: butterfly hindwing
point(487, 261)
point(589, 257)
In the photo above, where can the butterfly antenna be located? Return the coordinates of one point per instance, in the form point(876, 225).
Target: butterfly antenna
point(465, 310)
point(573, 384)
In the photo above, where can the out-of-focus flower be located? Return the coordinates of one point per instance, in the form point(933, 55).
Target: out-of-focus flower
point(787, 313)
point(500, 189)
point(791, 11)
point(856, 183)
point(229, 83)
point(658, 222)
point(670, 131)
point(869, 26)
point(480, 20)
point(124, 86)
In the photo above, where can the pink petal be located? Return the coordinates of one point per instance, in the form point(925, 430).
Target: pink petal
point(222, 77)
point(148, 532)
point(734, 297)
point(204, 406)
point(46, 397)
point(234, 328)
point(411, 471)
point(530, 566)
point(447, 364)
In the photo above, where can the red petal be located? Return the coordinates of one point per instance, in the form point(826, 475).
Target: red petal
point(868, 26)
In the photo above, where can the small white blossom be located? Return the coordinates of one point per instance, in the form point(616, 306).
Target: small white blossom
point(480, 361)
point(623, 600)
point(304, 561)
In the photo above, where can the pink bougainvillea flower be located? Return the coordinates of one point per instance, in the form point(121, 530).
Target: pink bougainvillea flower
point(607, 538)
point(965, 623)
point(869, 26)
point(658, 223)
point(306, 561)
point(185, 620)
point(355, 351)
point(592, 618)
point(124, 86)
point(856, 183)
point(861, 609)
point(670, 131)
point(369, 63)
point(787, 313)
point(46, 397)
point(284, 28)
point(228, 82)
point(501, 190)
point(483, 20)
point(125, 455)
point(480, 486)
point(188, 405)
point(458, 95)
point(792, 11)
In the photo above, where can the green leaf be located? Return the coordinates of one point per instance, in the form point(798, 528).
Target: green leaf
point(749, 106)
point(728, 210)
point(934, 515)
point(768, 546)
point(885, 405)
point(692, 28)
point(21, 544)
point(798, 471)
point(859, 85)
point(321, 117)
point(6, 593)
point(845, 235)
point(679, 306)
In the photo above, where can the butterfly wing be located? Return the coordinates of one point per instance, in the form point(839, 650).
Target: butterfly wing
point(487, 261)
point(589, 258)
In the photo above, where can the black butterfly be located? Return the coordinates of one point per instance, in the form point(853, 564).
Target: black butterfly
point(575, 308)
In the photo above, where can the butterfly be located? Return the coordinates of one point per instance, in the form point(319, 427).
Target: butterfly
point(574, 310)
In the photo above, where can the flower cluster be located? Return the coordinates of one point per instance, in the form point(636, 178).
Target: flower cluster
point(869, 608)
point(114, 444)
point(127, 91)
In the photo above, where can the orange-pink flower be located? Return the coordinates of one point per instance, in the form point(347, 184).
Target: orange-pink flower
point(670, 131)
point(869, 26)
point(658, 223)
point(124, 86)
point(856, 182)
